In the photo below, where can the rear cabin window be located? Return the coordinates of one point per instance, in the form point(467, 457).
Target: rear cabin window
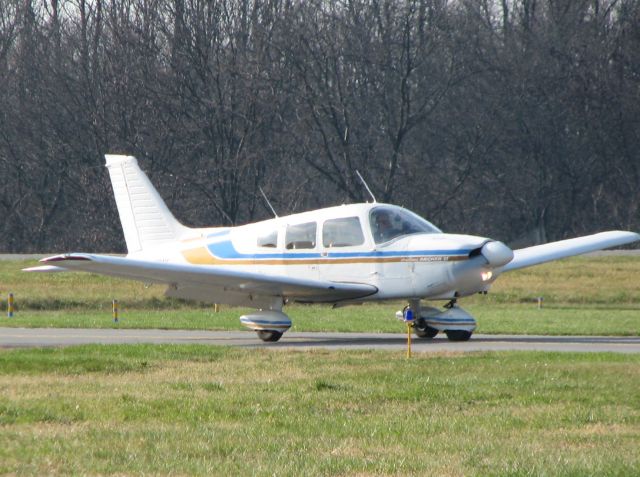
point(345, 232)
point(301, 236)
point(269, 239)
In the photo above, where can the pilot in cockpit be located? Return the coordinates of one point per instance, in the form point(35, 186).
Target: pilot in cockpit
point(384, 228)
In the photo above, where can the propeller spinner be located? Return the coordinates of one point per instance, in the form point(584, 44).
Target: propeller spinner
point(496, 254)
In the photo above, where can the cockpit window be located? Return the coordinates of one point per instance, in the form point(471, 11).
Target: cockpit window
point(301, 236)
point(345, 232)
point(388, 223)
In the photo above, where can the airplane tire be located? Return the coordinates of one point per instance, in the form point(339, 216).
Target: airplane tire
point(269, 336)
point(422, 330)
point(458, 335)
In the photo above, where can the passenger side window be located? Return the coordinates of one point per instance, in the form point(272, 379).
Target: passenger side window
point(300, 236)
point(269, 240)
point(345, 232)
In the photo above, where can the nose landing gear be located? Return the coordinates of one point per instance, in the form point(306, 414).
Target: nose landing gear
point(458, 335)
point(455, 322)
point(422, 329)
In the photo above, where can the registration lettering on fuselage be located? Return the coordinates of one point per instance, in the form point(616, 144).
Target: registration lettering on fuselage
point(433, 258)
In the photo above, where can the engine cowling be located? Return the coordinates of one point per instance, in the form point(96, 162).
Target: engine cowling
point(478, 273)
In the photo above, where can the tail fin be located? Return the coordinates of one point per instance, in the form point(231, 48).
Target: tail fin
point(146, 220)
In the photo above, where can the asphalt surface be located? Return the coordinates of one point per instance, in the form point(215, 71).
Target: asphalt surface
point(36, 337)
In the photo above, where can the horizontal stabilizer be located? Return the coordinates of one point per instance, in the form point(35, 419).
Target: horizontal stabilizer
point(218, 281)
point(527, 257)
point(44, 269)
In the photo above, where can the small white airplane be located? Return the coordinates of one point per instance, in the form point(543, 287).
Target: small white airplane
point(338, 255)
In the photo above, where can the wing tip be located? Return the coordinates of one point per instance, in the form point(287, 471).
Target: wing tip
point(624, 236)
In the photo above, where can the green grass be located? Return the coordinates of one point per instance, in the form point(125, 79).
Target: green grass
point(582, 295)
point(492, 318)
point(202, 410)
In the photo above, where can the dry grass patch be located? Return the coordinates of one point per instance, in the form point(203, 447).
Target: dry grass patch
point(596, 280)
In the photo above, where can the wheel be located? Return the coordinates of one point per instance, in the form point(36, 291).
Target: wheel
point(458, 335)
point(269, 335)
point(422, 330)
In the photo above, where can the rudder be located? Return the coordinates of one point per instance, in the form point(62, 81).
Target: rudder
point(146, 220)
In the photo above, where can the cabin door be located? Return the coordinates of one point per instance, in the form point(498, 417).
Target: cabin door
point(345, 253)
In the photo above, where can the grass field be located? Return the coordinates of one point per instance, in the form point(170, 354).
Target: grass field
point(201, 410)
point(582, 295)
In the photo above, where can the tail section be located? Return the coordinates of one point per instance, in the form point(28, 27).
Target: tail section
point(146, 220)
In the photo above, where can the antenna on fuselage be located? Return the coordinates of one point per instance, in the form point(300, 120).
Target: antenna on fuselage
point(268, 203)
point(366, 186)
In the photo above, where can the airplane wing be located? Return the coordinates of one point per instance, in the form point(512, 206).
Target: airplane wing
point(527, 257)
point(209, 283)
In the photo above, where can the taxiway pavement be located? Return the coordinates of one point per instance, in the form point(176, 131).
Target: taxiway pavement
point(36, 337)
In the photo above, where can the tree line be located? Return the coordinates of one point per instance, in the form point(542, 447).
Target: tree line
point(516, 119)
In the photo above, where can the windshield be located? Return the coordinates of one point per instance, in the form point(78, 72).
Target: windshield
point(388, 223)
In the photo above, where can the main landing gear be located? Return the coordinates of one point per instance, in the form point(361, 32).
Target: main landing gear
point(268, 324)
point(269, 336)
point(455, 322)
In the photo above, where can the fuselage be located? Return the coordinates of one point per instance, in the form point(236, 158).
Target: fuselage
point(343, 244)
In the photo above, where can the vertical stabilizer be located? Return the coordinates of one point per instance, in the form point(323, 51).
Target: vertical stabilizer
point(146, 220)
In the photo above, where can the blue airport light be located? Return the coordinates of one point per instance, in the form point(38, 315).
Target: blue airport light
point(408, 315)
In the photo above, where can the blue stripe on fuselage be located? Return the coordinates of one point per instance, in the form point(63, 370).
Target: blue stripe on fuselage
point(226, 250)
point(218, 234)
